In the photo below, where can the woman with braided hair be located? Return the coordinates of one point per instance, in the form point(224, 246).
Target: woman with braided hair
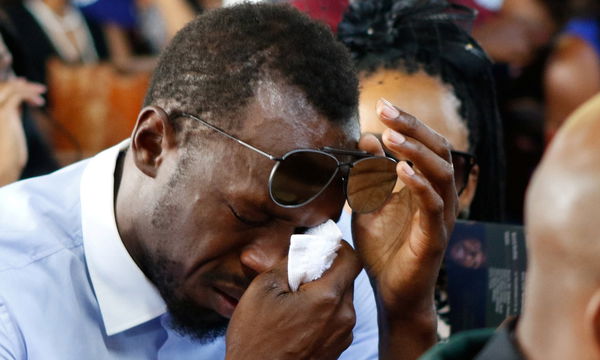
point(419, 55)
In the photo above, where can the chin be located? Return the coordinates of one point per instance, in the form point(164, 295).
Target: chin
point(186, 316)
point(198, 323)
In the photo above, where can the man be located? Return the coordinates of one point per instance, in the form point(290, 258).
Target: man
point(156, 247)
point(561, 314)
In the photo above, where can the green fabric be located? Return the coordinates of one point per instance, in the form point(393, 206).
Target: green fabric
point(463, 346)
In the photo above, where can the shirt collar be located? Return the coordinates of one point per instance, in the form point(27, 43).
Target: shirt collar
point(125, 295)
point(503, 345)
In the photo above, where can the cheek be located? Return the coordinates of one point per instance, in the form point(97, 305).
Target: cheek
point(466, 198)
point(203, 233)
point(186, 227)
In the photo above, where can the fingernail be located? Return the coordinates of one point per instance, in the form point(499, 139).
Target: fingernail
point(388, 110)
point(395, 137)
point(406, 168)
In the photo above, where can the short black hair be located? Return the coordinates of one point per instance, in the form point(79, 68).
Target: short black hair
point(212, 66)
point(430, 35)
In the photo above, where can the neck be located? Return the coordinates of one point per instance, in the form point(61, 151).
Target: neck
point(125, 206)
point(550, 326)
point(57, 6)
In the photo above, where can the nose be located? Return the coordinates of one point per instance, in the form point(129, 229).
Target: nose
point(264, 253)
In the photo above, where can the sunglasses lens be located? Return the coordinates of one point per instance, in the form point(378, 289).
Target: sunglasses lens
point(370, 183)
point(461, 168)
point(301, 176)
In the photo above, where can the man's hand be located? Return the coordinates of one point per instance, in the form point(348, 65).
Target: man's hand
point(402, 244)
point(316, 322)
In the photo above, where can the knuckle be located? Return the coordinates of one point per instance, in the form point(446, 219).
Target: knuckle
point(448, 173)
point(445, 151)
point(444, 143)
point(456, 207)
point(348, 340)
point(328, 300)
point(410, 122)
point(436, 205)
point(347, 319)
point(268, 281)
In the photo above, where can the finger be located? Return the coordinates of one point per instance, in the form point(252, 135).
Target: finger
point(408, 125)
point(437, 170)
point(343, 322)
point(35, 100)
point(275, 279)
point(371, 144)
point(340, 275)
point(29, 89)
point(19, 90)
point(431, 206)
point(336, 346)
point(15, 99)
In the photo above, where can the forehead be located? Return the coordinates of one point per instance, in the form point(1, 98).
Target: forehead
point(280, 118)
point(419, 94)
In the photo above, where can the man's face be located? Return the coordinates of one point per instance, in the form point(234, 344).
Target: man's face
point(213, 226)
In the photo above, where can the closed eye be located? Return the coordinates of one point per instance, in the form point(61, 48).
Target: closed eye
point(249, 222)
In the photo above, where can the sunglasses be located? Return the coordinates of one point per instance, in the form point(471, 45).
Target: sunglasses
point(300, 176)
point(462, 164)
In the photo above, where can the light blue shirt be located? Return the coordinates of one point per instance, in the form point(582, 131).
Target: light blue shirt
point(70, 290)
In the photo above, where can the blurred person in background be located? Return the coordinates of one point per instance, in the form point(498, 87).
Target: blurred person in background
point(417, 55)
point(21, 119)
point(561, 313)
point(519, 37)
point(517, 30)
point(13, 93)
point(54, 28)
point(572, 74)
point(138, 30)
point(120, 22)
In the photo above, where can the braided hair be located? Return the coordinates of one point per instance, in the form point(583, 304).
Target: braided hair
point(430, 35)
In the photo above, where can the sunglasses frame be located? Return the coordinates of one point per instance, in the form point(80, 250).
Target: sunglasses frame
point(328, 151)
point(470, 162)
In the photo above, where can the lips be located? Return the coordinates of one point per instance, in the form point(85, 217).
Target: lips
point(227, 298)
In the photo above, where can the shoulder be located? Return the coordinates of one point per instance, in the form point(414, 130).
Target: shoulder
point(39, 217)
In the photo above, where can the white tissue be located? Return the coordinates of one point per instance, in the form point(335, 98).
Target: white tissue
point(312, 253)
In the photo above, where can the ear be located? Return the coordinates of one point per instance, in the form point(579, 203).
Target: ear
point(153, 136)
point(466, 197)
point(592, 323)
